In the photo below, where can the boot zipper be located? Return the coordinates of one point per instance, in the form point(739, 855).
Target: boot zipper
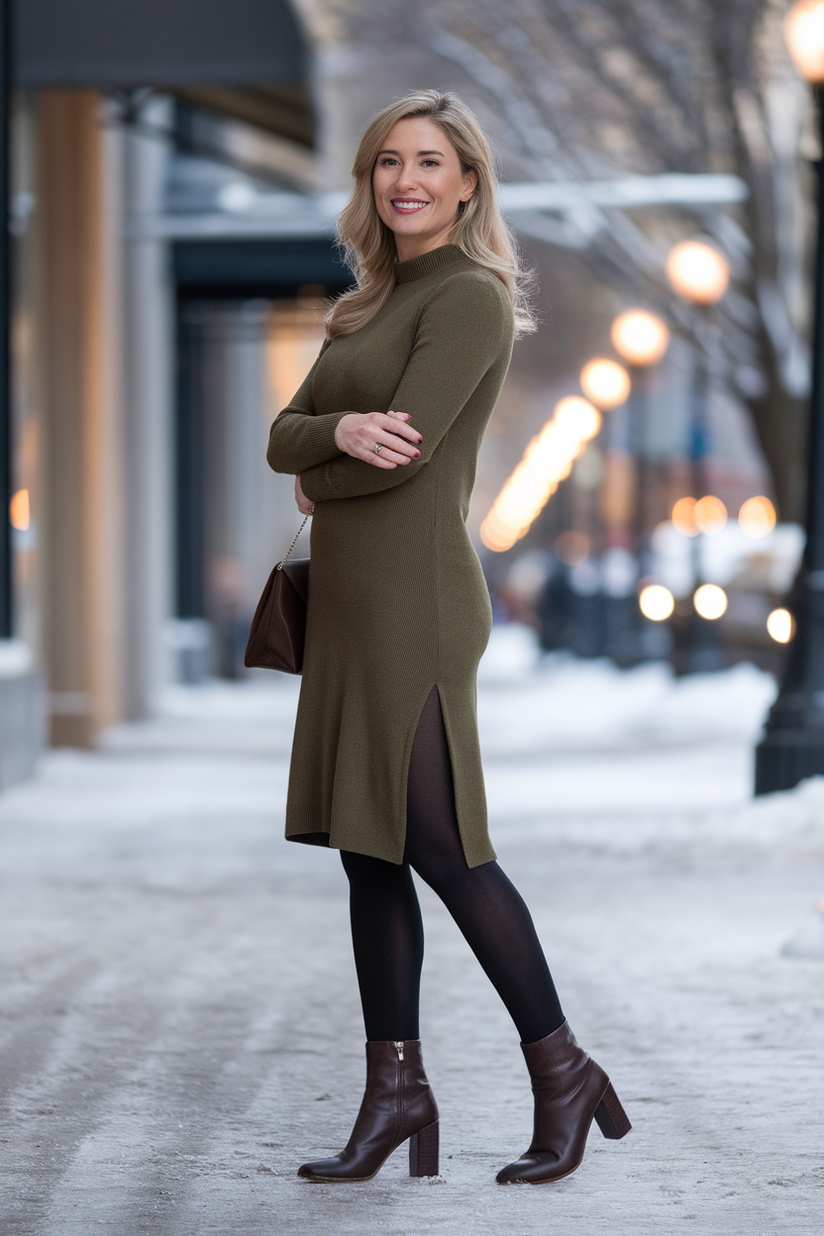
point(399, 1118)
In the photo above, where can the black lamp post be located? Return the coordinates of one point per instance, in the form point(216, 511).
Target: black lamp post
point(793, 744)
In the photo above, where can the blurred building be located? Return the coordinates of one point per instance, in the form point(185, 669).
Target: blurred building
point(178, 168)
point(148, 362)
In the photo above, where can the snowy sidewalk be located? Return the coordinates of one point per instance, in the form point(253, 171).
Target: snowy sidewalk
point(179, 1026)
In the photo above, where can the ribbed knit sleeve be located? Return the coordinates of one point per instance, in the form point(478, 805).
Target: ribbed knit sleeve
point(464, 329)
point(299, 439)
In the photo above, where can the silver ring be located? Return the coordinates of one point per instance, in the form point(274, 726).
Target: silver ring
point(378, 448)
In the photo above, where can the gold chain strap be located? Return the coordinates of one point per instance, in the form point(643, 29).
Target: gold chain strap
point(294, 540)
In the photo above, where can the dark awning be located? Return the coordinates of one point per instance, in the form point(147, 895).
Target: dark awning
point(242, 268)
point(120, 43)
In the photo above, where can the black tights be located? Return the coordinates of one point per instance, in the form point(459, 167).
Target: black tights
point(387, 930)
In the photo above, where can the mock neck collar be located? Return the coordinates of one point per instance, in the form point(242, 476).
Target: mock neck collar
point(428, 263)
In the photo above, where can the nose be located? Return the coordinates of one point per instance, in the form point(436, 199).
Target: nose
point(406, 180)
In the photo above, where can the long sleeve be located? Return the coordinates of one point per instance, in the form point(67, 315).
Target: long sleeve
point(463, 330)
point(298, 439)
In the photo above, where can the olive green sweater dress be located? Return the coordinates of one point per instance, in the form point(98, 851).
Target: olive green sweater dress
point(397, 600)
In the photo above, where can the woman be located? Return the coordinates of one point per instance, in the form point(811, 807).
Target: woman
point(383, 438)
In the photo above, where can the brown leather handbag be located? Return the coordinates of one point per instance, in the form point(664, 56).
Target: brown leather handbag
point(278, 630)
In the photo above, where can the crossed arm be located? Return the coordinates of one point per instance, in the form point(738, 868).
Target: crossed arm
point(462, 332)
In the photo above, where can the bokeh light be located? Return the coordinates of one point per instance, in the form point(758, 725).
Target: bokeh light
point(781, 626)
point(804, 32)
point(710, 601)
point(698, 272)
point(683, 517)
point(639, 337)
point(757, 517)
point(546, 462)
point(578, 418)
point(20, 511)
point(710, 515)
point(605, 383)
point(656, 602)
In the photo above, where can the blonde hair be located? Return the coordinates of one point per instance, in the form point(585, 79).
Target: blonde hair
point(480, 231)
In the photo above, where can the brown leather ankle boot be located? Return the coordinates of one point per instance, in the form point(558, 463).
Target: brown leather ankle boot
point(397, 1104)
point(569, 1088)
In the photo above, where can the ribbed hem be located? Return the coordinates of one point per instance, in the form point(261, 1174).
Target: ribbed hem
point(321, 839)
point(307, 824)
point(313, 443)
point(304, 824)
point(322, 430)
point(429, 263)
point(318, 486)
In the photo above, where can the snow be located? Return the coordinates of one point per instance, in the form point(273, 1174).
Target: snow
point(179, 1025)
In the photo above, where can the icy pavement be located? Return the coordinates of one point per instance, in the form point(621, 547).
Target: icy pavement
point(179, 1027)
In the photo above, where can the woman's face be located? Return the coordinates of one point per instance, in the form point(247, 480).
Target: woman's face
point(417, 184)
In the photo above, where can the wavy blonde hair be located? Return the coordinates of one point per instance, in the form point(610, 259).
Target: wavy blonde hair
point(480, 231)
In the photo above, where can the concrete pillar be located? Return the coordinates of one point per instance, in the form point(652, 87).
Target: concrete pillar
point(79, 329)
point(149, 401)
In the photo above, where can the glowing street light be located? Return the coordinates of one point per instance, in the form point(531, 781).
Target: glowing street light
point(698, 272)
point(656, 602)
point(780, 626)
point(756, 518)
point(710, 601)
point(547, 461)
point(683, 517)
point(578, 418)
point(20, 511)
point(606, 383)
point(804, 32)
point(640, 338)
point(710, 515)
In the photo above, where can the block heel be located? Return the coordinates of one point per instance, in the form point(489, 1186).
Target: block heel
point(398, 1105)
point(570, 1090)
point(611, 1117)
point(423, 1151)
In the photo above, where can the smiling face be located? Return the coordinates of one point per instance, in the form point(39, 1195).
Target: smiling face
point(418, 184)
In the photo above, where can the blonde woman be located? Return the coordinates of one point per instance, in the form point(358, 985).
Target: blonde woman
point(383, 438)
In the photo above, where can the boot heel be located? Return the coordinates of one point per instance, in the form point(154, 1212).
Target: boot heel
point(612, 1119)
point(423, 1151)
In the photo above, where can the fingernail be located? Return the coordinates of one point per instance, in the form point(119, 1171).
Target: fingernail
point(420, 439)
point(417, 454)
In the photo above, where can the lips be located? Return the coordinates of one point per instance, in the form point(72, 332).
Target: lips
point(408, 206)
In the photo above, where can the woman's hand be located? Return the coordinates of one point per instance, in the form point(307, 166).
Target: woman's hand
point(358, 434)
point(304, 504)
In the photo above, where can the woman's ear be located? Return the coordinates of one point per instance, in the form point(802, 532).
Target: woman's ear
point(470, 185)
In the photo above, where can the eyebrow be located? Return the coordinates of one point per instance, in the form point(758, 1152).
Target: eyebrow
point(420, 152)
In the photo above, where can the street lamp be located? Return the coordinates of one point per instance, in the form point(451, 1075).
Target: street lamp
point(793, 744)
point(701, 275)
point(605, 383)
point(698, 272)
point(804, 32)
point(641, 339)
